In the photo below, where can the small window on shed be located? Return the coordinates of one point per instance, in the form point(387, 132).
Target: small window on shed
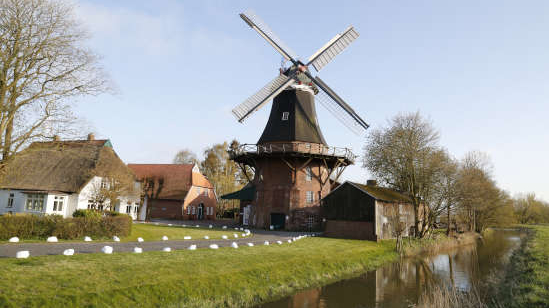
point(285, 115)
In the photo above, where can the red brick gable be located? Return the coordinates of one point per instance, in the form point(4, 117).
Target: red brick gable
point(178, 178)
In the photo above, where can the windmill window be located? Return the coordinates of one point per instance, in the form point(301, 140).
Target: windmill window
point(308, 174)
point(10, 201)
point(310, 197)
point(285, 116)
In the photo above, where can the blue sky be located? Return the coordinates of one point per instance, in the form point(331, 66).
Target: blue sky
point(478, 69)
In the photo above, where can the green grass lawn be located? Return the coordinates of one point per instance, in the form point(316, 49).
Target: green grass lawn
point(203, 278)
point(151, 232)
point(529, 276)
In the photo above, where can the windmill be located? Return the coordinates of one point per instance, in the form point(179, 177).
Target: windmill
point(292, 163)
point(299, 74)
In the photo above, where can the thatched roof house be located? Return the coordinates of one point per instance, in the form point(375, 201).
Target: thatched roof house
point(63, 169)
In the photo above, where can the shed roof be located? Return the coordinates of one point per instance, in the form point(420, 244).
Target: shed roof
point(247, 193)
point(63, 166)
point(382, 193)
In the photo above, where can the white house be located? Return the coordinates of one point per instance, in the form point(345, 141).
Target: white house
point(59, 177)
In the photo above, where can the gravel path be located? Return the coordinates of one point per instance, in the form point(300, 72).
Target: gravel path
point(38, 249)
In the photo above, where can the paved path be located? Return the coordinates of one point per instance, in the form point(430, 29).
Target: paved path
point(37, 249)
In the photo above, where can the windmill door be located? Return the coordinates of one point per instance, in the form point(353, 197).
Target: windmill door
point(246, 216)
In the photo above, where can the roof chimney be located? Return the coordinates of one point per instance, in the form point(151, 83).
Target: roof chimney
point(371, 183)
point(56, 138)
point(91, 137)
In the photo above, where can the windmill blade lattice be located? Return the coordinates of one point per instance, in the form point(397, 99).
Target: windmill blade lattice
point(265, 31)
point(334, 47)
point(268, 92)
point(341, 110)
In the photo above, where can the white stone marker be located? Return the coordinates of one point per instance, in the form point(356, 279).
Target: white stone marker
point(87, 239)
point(234, 245)
point(206, 237)
point(214, 246)
point(224, 237)
point(289, 241)
point(266, 243)
point(14, 239)
point(52, 239)
point(186, 237)
point(235, 235)
point(279, 242)
point(251, 244)
point(156, 224)
point(224, 227)
point(22, 254)
point(137, 250)
point(140, 240)
point(241, 229)
point(167, 249)
point(247, 230)
point(197, 226)
point(243, 234)
point(116, 238)
point(169, 225)
point(68, 252)
point(164, 238)
point(192, 247)
point(271, 227)
point(210, 226)
point(107, 249)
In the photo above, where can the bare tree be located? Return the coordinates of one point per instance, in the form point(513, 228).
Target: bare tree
point(406, 156)
point(185, 156)
point(44, 67)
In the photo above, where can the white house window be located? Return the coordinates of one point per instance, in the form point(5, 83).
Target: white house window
point(100, 206)
point(35, 202)
point(58, 202)
point(310, 221)
point(285, 116)
point(308, 174)
point(91, 205)
point(192, 209)
point(103, 184)
point(136, 209)
point(10, 201)
point(188, 210)
point(310, 197)
point(128, 209)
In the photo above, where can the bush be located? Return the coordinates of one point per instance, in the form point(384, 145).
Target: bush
point(40, 227)
point(87, 213)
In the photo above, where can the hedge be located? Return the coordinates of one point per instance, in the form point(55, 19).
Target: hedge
point(40, 227)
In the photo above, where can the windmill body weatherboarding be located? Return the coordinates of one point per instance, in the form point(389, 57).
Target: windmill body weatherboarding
point(293, 167)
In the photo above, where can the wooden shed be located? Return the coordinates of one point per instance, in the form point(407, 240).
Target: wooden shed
point(367, 212)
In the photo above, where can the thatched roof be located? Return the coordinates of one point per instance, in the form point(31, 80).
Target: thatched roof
point(63, 166)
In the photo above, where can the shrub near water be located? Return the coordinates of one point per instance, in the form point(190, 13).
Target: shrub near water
point(40, 227)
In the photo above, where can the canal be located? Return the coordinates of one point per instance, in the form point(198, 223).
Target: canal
point(401, 284)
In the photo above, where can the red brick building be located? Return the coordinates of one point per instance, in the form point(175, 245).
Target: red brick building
point(176, 191)
point(294, 167)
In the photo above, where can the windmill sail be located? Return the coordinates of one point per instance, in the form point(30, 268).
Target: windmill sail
point(335, 46)
point(265, 31)
point(341, 110)
point(268, 92)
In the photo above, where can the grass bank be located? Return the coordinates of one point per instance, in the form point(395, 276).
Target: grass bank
point(526, 283)
point(437, 242)
point(203, 278)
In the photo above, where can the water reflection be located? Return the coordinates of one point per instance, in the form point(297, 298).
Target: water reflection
point(400, 284)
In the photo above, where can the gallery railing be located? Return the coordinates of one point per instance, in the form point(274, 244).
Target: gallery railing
point(292, 148)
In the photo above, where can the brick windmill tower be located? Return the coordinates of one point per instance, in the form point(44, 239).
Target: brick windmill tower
point(293, 165)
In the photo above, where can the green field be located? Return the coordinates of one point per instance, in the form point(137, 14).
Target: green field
point(203, 278)
point(151, 232)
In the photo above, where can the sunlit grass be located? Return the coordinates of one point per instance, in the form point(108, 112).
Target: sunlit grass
point(202, 278)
